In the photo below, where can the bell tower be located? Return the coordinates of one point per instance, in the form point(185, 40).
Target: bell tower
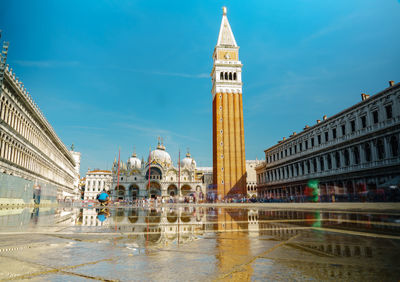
point(229, 165)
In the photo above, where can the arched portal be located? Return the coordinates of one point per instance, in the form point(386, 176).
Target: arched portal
point(172, 190)
point(155, 173)
point(133, 192)
point(120, 192)
point(154, 190)
point(186, 189)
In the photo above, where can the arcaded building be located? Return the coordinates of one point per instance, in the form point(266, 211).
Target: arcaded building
point(229, 167)
point(33, 159)
point(352, 155)
point(156, 177)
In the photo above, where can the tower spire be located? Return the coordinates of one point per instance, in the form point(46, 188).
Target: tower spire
point(225, 37)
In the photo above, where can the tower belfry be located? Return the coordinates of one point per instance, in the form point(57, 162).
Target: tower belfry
point(229, 165)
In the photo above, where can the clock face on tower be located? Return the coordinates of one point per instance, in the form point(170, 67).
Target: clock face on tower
point(227, 55)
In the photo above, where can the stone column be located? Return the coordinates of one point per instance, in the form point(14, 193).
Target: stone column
point(386, 145)
point(342, 163)
point(374, 153)
point(318, 165)
point(325, 162)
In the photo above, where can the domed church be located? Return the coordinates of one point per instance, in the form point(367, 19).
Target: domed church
point(158, 177)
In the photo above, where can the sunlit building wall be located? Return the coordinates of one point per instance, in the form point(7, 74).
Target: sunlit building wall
point(352, 153)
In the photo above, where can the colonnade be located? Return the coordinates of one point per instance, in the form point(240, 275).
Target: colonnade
point(353, 157)
point(27, 141)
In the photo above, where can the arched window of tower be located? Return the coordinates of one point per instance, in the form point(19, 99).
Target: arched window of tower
point(234, 76)
point(221, 76)
point(230, 76)
point(226, 76)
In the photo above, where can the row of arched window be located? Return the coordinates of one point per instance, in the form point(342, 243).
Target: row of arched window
point(17, 120)
point(228, 76)
point(350, 126)
point(335, 160)
point(252, 188)
point(19, 155)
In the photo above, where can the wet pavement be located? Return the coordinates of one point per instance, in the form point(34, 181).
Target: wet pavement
point(198, 244)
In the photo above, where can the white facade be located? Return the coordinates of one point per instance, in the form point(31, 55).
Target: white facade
point(29, 147)
point(251, 177)
point(356, 150)
point(96, 182)
point(166, 180)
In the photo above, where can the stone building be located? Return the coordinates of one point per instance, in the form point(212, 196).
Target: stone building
point(33, 159)
point(157, 177)
point(251, 177)
point(96, 181)
point(229, 167)
point(352, 155)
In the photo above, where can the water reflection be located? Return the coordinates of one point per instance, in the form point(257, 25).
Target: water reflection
point(318, 244)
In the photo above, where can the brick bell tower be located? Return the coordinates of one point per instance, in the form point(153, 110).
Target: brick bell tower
point(229, 165)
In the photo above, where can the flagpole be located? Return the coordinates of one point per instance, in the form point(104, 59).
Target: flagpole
point(119, 157)
point(149, 167)
point(179, 173)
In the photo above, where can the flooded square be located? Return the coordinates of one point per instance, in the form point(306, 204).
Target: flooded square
point(172, 243)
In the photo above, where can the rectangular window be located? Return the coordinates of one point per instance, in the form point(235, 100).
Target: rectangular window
point(312, 142)
point(290, 150)
point(319, 139)
point(389, 113)
point(285, 152)
point(375, 116)
point(364, 122)
point(343, 130)
point(353, 125)
point(295, 149)
point(306, 144)
point(326, 136)
point(334, 133)
point(301, 147)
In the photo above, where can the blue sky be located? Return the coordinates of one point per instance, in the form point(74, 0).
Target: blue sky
point(111, 74)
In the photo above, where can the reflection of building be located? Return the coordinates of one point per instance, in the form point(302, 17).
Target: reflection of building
point(165, 179)
point(154, 226)
point(96, 181)
point(233, 243)
point(315, 252)
point(354, 151)
point(229, 167)
point(32, 156)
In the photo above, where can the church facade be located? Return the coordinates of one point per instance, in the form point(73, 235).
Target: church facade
point(229, 165)
point(158, 177)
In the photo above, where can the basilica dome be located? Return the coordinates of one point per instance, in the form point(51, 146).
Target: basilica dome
point(160, 155)
point(188, 161)
point(134, 162)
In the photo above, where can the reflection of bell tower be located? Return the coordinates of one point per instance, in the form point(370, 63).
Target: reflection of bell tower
point(229, 170)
